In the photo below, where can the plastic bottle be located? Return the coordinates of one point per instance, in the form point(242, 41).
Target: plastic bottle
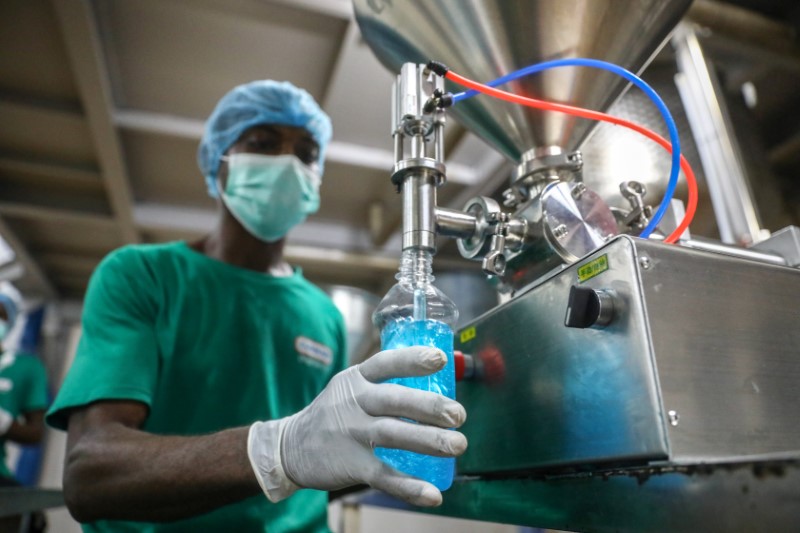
point(415, 313)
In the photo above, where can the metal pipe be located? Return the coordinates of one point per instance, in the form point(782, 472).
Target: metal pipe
point(453, 223)
point(743, 25)
point(438, 137)
point(398, 146)
point(417, 176)
point(733, 251)
point(735, 210)
point(417, 146)
point(419, 217)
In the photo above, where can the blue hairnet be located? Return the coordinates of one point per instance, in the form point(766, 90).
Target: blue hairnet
point(254, 103)
point(11, 308)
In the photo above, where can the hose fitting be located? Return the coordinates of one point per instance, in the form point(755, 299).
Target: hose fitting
point(437, 68)
point(439, 100)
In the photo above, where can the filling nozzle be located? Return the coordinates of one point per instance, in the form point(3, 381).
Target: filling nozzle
point(419, 208)
point(418, 131)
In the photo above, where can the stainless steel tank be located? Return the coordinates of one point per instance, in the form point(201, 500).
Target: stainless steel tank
point(486, 39)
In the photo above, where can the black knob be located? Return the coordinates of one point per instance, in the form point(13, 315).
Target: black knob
point(588, 307)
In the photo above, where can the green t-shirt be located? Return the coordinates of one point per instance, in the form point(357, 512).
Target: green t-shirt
point(206, 346)
point(23, 388)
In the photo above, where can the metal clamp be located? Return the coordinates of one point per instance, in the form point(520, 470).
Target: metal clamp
point(494, 262)
point(640, 213)
point(532, 175)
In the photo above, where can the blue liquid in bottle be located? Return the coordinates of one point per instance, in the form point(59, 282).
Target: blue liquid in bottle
point(416, 313)
point(410, 331)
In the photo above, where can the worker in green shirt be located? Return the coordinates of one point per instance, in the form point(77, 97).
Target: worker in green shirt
point(211, 372)
point(23, 398)
point(23, 388)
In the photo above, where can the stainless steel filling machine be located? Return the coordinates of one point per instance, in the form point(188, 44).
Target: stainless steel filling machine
point(624, 384)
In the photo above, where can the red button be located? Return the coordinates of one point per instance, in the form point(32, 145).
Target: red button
point(458, 357)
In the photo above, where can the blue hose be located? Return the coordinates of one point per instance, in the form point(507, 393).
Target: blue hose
point(633, 78)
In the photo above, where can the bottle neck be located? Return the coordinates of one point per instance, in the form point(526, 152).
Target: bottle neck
point(416, 268)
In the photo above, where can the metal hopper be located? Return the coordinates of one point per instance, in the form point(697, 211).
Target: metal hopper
point(486, 39)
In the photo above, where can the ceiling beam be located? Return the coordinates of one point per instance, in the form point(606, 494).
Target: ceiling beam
point(157, 216)
point(312, 255)
point(494, 171)
point(12, 271)
point(69, 264)
point(84, 50)
point(57, 170)
point(159, 123)
point(42, 107)
point(197, 222)
point(378, 159)
point(785, 151)
point(190, 223)
point(745, 25)
point(342, 9)
point(308, 245)
point(351, 37)
point(49, 214)
point(380, 263)
point(33, 271)
point(337, 153)
point(73, 282)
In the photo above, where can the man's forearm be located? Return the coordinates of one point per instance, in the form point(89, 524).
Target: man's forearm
point(24, 433)
point(28, 428)
point(121, 473)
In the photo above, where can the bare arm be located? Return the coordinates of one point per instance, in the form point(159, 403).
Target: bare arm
point(29, 430)
point(113, 470)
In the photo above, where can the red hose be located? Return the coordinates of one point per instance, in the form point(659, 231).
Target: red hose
point(691, 206)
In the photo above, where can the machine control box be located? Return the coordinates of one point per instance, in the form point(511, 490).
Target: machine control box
point(640, 353)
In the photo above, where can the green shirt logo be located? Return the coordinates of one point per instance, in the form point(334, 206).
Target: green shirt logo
point(313, 350)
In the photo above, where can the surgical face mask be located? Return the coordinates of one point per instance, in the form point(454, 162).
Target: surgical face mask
point(269, 195)
point(3, 328)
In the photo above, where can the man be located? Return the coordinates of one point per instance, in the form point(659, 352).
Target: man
point(200, 379)
point(23, 397)
point(23, 388)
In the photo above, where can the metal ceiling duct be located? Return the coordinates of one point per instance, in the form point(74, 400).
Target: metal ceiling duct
point(486, 39)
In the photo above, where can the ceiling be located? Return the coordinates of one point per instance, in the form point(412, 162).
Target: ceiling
point(102, 106)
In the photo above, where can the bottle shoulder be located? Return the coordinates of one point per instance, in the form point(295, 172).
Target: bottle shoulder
point(403, 301)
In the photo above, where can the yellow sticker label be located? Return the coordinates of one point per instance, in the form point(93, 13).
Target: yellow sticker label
point(593, 268)
point(468, 334)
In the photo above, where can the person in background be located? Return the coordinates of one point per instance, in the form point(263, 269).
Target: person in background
point(23, 398)
point(23, 389)
point(212, 373)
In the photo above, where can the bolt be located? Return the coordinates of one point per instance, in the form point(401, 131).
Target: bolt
point(578, 190)
point(632, 188)
point(673, 418)
point(560, 231)
point(509, 199)
point(645, 262)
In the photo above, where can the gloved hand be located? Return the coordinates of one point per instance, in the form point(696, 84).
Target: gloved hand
point(329, 444)
point(6, 419)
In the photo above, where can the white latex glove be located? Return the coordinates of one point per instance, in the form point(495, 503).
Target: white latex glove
point(329, 444)
point(6, 419)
